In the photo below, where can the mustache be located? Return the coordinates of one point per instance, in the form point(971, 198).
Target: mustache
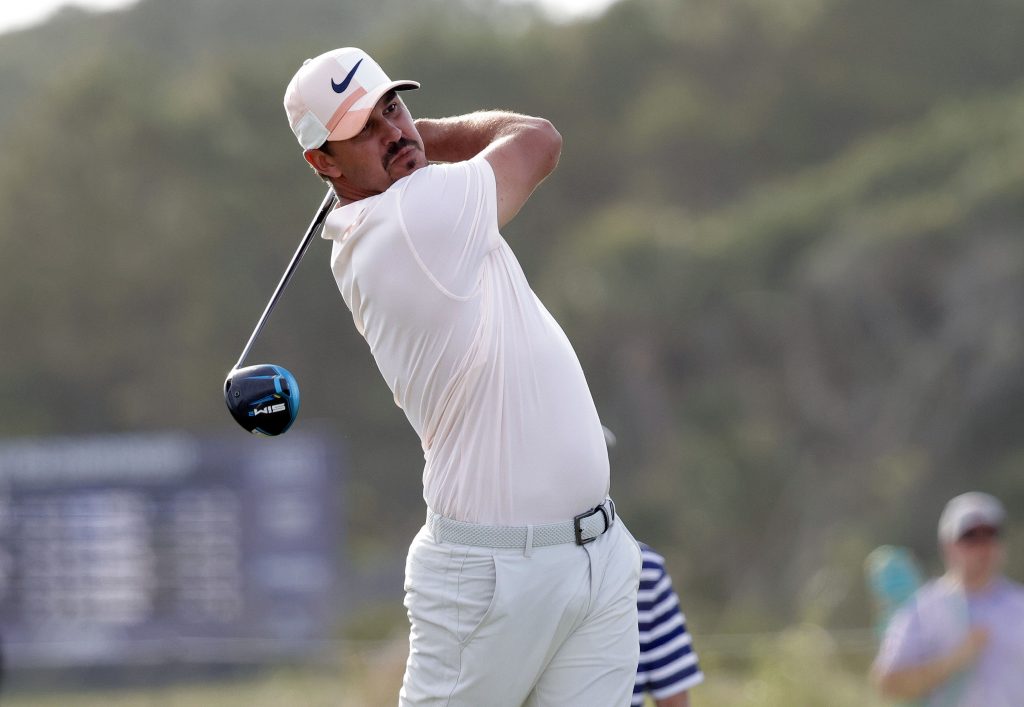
point(397, 147)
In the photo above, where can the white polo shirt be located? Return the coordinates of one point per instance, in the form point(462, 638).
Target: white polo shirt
point(483, 372)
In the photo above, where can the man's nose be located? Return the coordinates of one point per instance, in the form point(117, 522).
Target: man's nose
point(391, 132)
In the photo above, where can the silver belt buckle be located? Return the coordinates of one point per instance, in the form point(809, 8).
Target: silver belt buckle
point(577, 523)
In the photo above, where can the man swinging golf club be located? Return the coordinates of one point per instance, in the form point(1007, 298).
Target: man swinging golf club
point(521, 586)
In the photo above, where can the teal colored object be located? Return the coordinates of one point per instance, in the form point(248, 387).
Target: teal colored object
point(893, 576)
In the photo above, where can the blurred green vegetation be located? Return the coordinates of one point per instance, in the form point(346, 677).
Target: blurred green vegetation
point(785, 238)
point(802, 667)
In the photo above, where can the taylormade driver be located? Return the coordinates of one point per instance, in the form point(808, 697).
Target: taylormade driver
point(264, 399)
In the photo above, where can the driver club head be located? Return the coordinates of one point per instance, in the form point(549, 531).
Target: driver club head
point(263, 399)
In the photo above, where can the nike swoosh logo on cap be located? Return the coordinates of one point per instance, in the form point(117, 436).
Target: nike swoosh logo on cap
point(340, 87)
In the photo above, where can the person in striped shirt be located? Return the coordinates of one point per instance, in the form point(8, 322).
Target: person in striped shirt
point(668, 664)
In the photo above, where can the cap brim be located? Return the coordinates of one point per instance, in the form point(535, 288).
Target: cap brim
point(969, 521)
point(355, 118)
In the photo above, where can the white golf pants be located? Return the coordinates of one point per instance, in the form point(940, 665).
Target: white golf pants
point(548, 626)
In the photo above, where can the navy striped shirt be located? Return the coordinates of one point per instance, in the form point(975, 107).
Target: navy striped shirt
point(668, 664)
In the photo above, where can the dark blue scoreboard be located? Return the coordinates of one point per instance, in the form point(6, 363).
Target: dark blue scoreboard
point(150, 548)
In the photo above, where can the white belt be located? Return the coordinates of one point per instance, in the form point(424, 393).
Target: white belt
point(583, 529)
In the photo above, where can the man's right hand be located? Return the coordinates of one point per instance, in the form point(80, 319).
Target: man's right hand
point(971, 647)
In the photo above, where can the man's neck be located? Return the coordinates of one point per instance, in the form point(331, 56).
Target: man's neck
point(974, 585)
point(348, 193)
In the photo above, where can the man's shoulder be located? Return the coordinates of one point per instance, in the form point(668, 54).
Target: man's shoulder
point(380, 209)
point(935, 587)
point(1013, 585)
point(441, 182)
point(434, 170)
point(933, 594)
point(1013, 590)
point(936, 591)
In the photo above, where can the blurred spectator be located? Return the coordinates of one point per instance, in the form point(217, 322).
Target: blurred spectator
point(668, 665)
point(959, 641)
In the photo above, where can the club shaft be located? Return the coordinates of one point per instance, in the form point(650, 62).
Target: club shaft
point(314, 226)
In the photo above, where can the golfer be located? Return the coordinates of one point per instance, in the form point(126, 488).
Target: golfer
point(521, 586)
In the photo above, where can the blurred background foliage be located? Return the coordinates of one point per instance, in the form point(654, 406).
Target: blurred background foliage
point(785, 238)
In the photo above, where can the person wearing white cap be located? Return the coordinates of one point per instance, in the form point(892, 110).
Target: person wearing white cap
point(959, 641)
point(521, 587)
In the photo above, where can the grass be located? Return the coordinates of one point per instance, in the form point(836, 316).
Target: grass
point(801, 667)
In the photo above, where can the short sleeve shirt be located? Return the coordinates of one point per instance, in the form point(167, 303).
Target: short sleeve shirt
point(668, 664)
point(936, 620)
point(484, 374)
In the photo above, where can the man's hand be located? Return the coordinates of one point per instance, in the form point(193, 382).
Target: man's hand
point(521, 150)
point(968, 651)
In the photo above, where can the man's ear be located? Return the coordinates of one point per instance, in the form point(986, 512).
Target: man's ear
point(322, 163)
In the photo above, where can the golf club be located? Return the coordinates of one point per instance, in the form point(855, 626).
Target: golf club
point(264, 399)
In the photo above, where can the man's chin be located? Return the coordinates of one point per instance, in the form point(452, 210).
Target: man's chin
point(404, 166)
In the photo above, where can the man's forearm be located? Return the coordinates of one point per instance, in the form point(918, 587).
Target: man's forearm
point(462, 137)
point(914, 682)
point(918, 681)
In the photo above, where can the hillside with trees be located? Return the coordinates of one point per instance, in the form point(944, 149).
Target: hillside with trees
point(786, 238)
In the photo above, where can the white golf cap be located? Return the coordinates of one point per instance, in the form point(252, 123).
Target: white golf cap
point(330, 97)
point(967, 511)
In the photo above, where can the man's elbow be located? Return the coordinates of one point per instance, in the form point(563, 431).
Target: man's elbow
point(548, 144)
point(882, 683)
point(890, 685)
